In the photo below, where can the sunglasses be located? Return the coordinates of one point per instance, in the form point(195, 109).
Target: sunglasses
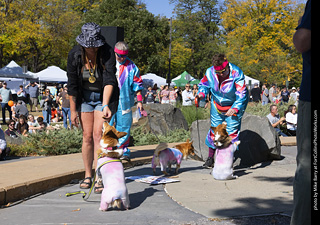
point(11, 124)
point(121, 56)
point(221, 71)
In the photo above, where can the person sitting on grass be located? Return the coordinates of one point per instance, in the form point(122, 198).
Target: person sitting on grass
point(22, 126)
point(11, 131)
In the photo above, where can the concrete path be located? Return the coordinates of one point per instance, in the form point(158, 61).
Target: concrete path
point(263, 189)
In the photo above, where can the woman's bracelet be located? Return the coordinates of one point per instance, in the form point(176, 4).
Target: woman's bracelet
point(103, 107)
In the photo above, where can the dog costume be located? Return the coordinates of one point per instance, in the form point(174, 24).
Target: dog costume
point(165, 157)
point(230, 93)
point(114, 183)
point(222, 169)
point(129, 82)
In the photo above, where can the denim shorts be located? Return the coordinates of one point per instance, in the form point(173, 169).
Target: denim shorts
point(91, 101)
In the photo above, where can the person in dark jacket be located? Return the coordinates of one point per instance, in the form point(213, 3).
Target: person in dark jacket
point(93, 91)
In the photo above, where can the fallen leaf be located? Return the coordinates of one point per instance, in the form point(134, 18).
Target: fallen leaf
point(76, 210)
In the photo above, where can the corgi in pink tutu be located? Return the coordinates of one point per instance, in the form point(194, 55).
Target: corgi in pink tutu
point(115, 190)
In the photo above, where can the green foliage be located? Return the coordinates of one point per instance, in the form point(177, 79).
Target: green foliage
point(191, 113)
point(56, 142)
point(196, 28)
point(258, 37)
point(264, 110)
point(142, 137)
point(146, 34)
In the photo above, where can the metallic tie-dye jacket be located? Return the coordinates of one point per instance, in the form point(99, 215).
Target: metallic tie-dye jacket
point(129, 82)
point(232, 91)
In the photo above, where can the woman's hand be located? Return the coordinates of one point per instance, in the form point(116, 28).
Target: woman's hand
point(107, 113)
point(74, 118)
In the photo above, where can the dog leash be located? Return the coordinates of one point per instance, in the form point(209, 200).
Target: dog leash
point(84, 194)
point(196, 102)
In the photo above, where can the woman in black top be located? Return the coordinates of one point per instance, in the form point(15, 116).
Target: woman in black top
point(93, 91)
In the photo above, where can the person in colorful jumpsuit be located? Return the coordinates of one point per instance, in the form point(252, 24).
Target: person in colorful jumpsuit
point(229, 98)
point(130, 83)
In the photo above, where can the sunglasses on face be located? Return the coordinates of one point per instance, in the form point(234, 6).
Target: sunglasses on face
point(11, 124)
point(121, 56)
point(221, 71)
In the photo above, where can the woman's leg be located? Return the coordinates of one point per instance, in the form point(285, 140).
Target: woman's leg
point(87, 119)
point(97, 133)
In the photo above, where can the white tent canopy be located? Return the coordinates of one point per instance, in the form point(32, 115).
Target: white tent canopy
point(253, 81)
point(151, 79)
point(52, 74)
point(13, 70)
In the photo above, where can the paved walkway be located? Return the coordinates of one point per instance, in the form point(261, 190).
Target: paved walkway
point(265, 188)
point(25, 177)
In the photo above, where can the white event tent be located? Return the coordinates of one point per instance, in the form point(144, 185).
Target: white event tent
point(13, 75)
point(150, 79)
point(52, 74)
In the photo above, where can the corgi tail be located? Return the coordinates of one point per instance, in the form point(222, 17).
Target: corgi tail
point(162, 146)
point(116, 203)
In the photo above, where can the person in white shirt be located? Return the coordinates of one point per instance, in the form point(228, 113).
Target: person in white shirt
point(294, 95)
point(292, 120)
point(187, 96)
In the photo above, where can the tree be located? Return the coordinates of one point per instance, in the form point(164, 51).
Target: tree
point(145, 34)
point(258, 35)
point(37, 33)
point(197, 26)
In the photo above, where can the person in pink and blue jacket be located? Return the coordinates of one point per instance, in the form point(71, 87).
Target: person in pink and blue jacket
point(130, 83)
point(229, 98)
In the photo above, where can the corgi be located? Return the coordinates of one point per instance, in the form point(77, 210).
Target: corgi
point(115, 190)
point(223, 163)
point(165, 157)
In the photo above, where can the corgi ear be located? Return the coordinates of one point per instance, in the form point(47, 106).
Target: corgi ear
point(187, 140)
point(213, 128)
point(224, 123)
point(121, 134)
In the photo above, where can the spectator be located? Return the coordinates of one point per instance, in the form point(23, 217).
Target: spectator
point(21, 109)
point(33, 124)
point(256, 93)
point(158, 94)
point(272, 93)
point(165, 95)
point(265, 95)
point(54, 115)
point(22, 95)
point(294, 95)
point(43, 125)
point(187, 96)
point(195, 90)
point(150, 95)
point(292, 119)
point(63, 95)
point(173, 97)
point(3, 146)
point(5, 97)
point(285, 95)
point(46, 104)
point(275, 119)
point(33, 94)
point(179, 94)
point(302, 182)
point(277, 97)
point(22, 126)
point(11, 131)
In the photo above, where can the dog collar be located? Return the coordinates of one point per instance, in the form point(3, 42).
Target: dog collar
point(112, 148)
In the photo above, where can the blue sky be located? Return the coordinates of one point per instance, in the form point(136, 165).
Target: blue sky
point(159, 7)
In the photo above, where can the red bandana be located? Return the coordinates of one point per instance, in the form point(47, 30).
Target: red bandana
point(121, 52)
point(221, 67)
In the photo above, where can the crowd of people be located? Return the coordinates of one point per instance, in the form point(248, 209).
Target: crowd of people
point(53, 103)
